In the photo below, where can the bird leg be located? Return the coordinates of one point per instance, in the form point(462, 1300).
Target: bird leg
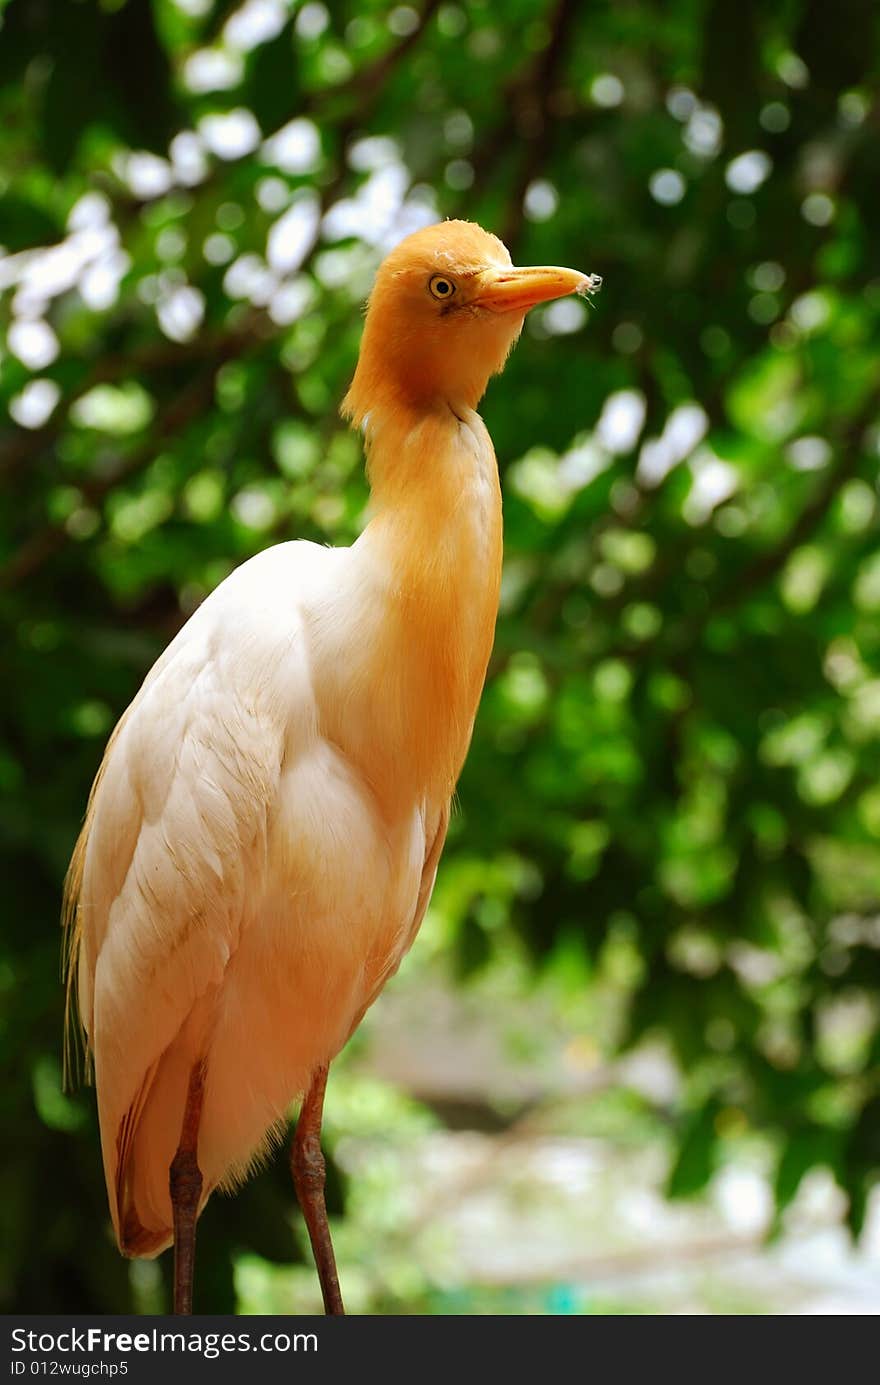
point(185, 1183)
point(308, 1169)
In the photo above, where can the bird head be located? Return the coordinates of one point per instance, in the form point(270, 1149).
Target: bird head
point(446, 308)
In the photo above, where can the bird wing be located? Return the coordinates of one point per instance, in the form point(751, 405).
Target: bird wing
point(434, 850)
point(429, 875)
point(175, 832)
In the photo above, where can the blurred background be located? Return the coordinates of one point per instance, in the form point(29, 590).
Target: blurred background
point(632, 1064)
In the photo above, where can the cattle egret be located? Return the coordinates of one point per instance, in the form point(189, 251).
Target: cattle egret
point(262, 837)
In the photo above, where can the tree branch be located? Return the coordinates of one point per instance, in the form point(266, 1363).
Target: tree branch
point(369, 80)
point(527, 100)
point(536, 117)
point(177, 416)
point(366, 84)
point(142, 360)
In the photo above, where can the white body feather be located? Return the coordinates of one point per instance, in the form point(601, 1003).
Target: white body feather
point(264, 834)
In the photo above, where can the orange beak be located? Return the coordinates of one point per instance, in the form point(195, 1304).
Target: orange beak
point(516, 290)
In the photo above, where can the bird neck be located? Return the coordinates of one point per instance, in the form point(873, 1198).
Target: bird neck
point(400, 379)
point(435, 527)
point(430, 568)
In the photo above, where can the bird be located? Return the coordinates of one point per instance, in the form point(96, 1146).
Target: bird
point(262, 837)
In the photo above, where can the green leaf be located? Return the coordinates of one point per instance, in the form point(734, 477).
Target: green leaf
point(802, 1151)
point(24, 223)
point(273, 86)
point(695, 1161)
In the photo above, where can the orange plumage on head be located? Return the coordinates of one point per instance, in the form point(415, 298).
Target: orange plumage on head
point(423, 345)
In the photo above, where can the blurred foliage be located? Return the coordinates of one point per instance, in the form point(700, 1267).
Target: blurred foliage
point(674, 779)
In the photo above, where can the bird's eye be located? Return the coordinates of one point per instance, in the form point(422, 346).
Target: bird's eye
point(441, 287)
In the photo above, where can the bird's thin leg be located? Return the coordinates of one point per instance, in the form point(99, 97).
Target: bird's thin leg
point(307, 1167)
point(185, 1182)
